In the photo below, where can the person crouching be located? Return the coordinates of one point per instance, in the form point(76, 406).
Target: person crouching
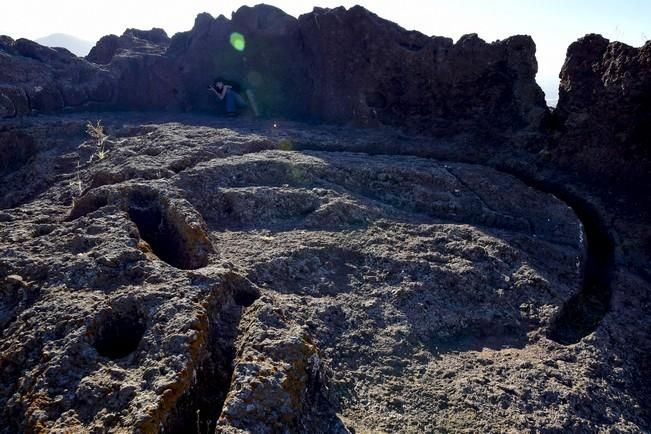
point(233, 102)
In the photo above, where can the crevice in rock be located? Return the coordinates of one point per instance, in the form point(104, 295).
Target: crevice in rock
point(582, 313)
point(411, 46)
point(120, 333)
point(199, 408)
point(163, 236)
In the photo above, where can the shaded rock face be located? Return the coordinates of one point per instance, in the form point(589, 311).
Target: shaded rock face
point(39, 79)
point(200, 278)
point(271, 64)
point(365, 68)
point(350, 65)
point(329, 65)
point(146, 79)
point(605, 98)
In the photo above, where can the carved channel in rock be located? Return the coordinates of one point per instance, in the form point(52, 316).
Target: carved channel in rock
point(200, 406)
point(120, 333)
point(582, 314)
point(163, 236)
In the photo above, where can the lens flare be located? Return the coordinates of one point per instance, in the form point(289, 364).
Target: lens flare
point(237, 41)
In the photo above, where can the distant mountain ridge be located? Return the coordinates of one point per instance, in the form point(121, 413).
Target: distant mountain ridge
point(78, 46)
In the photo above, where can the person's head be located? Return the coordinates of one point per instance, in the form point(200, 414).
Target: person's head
point(218, 83)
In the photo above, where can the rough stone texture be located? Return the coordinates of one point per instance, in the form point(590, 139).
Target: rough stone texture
point(605, 99)
point(142, 41)
point(350, 65)
point(256, 276)
point(329, 65)
point(37, 79)
point(206, 276)
point(368, 69)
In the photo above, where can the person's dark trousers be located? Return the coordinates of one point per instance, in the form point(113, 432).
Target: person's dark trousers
point(234, 102)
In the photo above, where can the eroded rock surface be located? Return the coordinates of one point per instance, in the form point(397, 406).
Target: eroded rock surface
point(153, 41)
point(332, 65)
point(205, 276)
point(34, 78)
point(605, 98)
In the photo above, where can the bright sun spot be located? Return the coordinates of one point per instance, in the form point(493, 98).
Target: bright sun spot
point(237, 41)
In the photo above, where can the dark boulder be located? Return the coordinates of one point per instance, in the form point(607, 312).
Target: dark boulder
point(132, 41)
point(371, 70)
point(605, 98)
point(103, 52)
point(38, 79)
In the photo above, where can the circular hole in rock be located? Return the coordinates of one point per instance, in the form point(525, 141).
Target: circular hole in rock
point(243, 291)
point(120, 334)
point(245, 296)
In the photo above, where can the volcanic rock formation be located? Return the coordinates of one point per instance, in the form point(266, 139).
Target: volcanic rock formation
point(240, 275)
point(200, 276)
point(37, 79)
point(329, 65)
point(605, 99)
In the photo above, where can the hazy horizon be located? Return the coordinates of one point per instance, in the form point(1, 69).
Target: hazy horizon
point(553, 25)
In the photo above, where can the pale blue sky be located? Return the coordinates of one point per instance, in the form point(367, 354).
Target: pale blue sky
point(554, 24)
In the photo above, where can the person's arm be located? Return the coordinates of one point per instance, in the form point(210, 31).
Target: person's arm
point(221, 94)
point(224, 90)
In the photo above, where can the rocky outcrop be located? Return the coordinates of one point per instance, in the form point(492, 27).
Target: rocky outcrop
point(350, 65)
point(605, 98)
point(37, 79)
point(271, 64)
point(368, 69)
point(339, 65)
point(329, 65)
point(133, 40)
point(146, 78)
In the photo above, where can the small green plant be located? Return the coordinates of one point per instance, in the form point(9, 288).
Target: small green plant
point(96, 132)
